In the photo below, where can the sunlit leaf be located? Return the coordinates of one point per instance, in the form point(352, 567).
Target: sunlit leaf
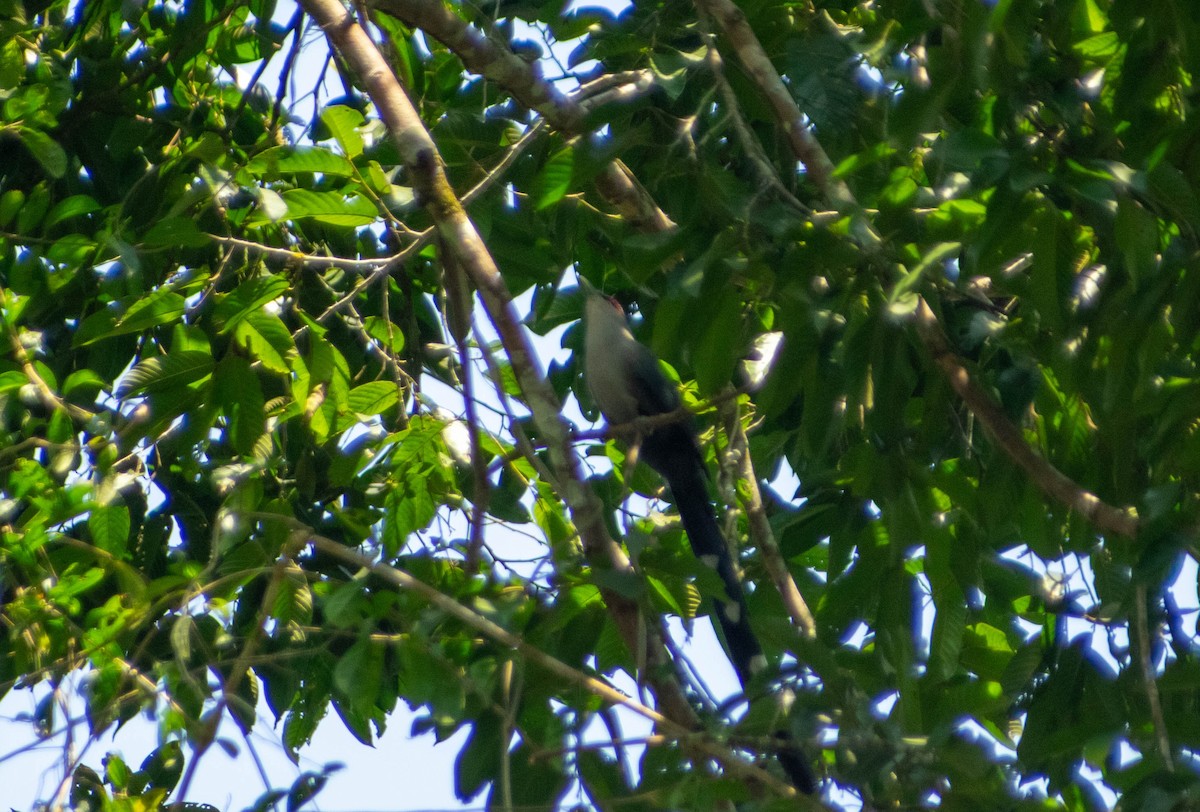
point(166, 372)
point(343, 122)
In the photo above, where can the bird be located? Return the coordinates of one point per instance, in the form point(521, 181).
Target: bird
point(626, 382)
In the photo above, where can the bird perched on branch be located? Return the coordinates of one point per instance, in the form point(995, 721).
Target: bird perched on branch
point(627, 383)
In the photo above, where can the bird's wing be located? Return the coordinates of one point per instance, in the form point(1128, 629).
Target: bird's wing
point(655, 393)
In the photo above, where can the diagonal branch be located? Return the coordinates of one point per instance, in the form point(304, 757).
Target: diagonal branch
point(44, 393)
point(497, 63)
point(805, 146)
point(698, 741)
point(760, 526)
point(465, 249)
point(1051, 481)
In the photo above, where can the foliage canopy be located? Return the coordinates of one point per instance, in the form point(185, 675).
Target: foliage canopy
point(246, 321)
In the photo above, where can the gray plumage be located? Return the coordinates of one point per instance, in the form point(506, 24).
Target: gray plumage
point(626, 382)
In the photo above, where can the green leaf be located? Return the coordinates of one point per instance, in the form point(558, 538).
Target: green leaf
point(181, 637)
point(294, 599)
point(965, 150)
point(1099, 48)
point(97, 326)
point(343, 123)
point(331, 208)
point(34, 208)
point(164, 767)
point(946, 641)
point(249, 297)
point(662, 597)
point(299, 727)
point(551, 518)
point(373, 398)
point(418, 477)
point(72, 250)
point(271, 204)
point(359, 672)
point(73, 206)
point(479, 758)
point(175, 232)
point(410, 507)
point(161, 306)
point(87, 791)
point(1137, 233)
point(266, 339)
point(304, 789)
point(672, 69)
point(116, 772)
point(166, 372)
point(12, 55)
point(347, 606)
point(296, 160)
point(1049, 251)
point(241, 396)
point(109, 526)
point(389, 336)
point(903, 297)
point(718, 351)
point(46, 150)
point(554, 181)
point(537, 783)
point(11, 202)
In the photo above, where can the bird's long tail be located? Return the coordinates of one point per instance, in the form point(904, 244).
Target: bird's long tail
point(690, 489)
point(675, 456)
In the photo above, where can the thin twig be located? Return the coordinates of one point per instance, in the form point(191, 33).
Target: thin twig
point(205, 737)
point(458, 317)
point(301, 259)
point(1142, 629)
point(763, 170)
point(45, 394)
point(761, 533)
point(806, 148)
point(532, 654)
point(398, 261)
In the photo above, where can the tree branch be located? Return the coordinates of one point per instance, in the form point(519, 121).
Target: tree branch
point(760, 529)
point(1048, 479)
point(1141, 633)
point(301, 259)
point(697, 741)
point(805, 146)
point(465, 248)
point(497, 63)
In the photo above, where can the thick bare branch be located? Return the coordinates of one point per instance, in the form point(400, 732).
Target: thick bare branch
point(494, 61)
point(466, 250)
